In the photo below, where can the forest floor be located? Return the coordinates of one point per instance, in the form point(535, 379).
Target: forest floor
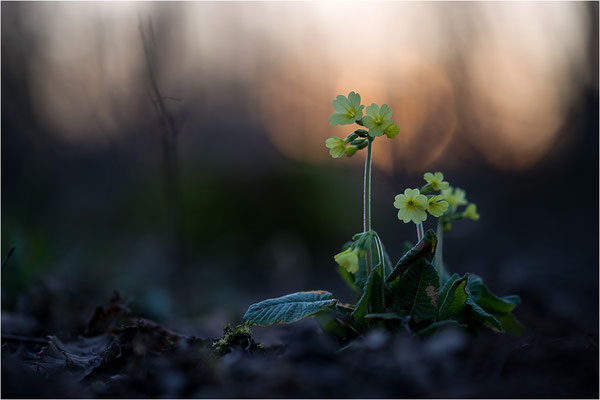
point(120, 355)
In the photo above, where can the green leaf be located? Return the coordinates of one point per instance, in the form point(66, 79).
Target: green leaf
point(347, 277)
point(513, 299)
point(446, 286)
point(452, 297)
point(424, 249)
point(438, 325)
point(369, 296)
point(418, 290)
point(385, 316)
point(475, 286)
point(483, 316)
point(337, 323)
point(494, 304)
point(511, 324)
point(289, 308)
point(487, 300)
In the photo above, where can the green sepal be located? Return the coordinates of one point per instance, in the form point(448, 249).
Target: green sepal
point(418, 290)
point(289, 308)
point(425, 248)
point(351, 137)
point(360, 143)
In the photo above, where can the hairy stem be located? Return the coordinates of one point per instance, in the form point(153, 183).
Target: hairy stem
point(438, 250)
point(367, 204)
point(420, 232)
point(367, 191)
point(382, 262)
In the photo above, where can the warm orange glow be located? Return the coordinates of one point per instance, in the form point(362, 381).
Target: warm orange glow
point(495, 75)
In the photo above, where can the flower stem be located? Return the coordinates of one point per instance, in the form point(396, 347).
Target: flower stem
point(367, 204)
point(367, 191)
point(438, 250)
point(382, 262)
point(420, 232)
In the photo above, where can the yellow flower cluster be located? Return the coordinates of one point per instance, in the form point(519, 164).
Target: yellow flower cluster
point(414, 205)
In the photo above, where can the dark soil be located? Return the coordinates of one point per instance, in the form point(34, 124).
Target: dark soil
point(120, 356)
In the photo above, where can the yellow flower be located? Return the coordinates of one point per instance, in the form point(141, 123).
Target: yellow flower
point(350, 151)
point(378, 119)
point(348, 109)
point(455, 197)
point(348, 259)
point(336, 146)
point(471, 212)
point(437, 206)
point(412, 205)
point(436, 181)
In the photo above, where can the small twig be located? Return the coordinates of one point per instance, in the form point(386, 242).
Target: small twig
point(12, 250)
point(24, 339)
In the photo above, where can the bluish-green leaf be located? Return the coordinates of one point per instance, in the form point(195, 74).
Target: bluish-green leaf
point(370, 291)
point(347, 277)
point(487, 300)
point(438, 325)
point(511, 324)
point(385, 316)
point(418, 290)
point(483, 316)
point(424, 249)
point(446, 286)
point(475, 286)
point(289, 308)
point(452, 297)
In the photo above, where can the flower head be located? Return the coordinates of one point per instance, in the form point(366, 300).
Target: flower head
point(411, 205)
point(378, 119)
point(348, 109)
point(392, 131)
point(348, 259)
point(455, 197)
point(350, 151)
point(436, 180)
point(336, 146)
point(471, 212)
point(437, 206)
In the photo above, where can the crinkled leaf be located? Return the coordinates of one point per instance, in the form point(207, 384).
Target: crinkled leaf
point(337, 323)
point(494, 304)
point(475, 286)
point(347, 277)
point(289, 308)
point(424, 249)
point(487, 300)
point(362, 307)
point(452, 297)
point(438, 325)
point(418, 290)
point(385, 316)
point(481, 315)
point(78, 357)
point(511, 324)
point(513, 299)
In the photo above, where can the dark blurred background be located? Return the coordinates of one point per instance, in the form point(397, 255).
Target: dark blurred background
point(222, 193)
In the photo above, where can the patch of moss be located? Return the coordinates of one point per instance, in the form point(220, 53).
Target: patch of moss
point(241, 337)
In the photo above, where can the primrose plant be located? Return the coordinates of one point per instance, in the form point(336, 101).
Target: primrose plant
point(415, 293)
